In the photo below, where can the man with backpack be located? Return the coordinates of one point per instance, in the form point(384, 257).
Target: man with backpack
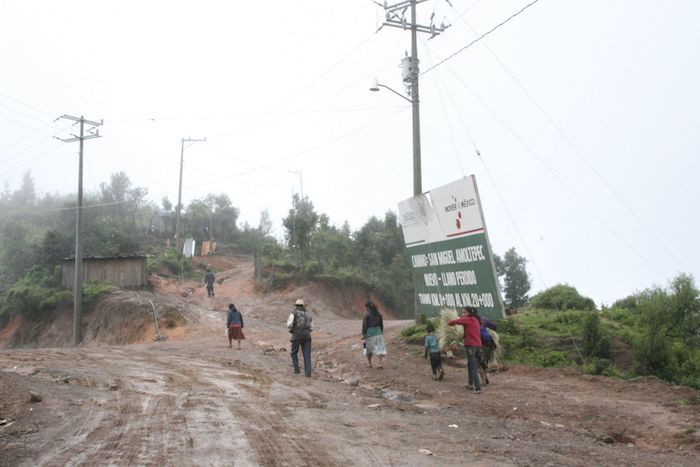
point(300, 323)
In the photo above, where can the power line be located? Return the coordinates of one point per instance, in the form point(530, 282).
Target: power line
point(491, 178)
point(15, 143)
point(301, 153)
point(254, 169)
point(306, 110)
point(17, 154)
point(578, 152)
point(480, 37)
point(30, 117)
point(324, 73)
point(554, 174)
point(27, 105)
point(27, 126)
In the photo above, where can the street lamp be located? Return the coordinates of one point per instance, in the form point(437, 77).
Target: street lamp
point(412, 85)
point(376, 85)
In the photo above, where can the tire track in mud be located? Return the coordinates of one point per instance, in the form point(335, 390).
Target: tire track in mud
point(271, 432)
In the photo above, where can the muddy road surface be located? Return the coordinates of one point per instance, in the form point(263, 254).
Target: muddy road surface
point(192, 400)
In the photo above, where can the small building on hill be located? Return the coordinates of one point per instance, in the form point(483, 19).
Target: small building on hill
point(127, 272)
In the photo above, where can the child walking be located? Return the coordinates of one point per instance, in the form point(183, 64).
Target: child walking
point(432, 348)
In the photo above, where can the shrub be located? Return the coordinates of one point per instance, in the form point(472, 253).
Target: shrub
point(622, 316)
point(415, 333)
point(597, 366)
point(508, 326)
point(93, 290)
point(311, 268)
point(32, 296)
point(594, 343)
point(562, 297)
point(171, 262)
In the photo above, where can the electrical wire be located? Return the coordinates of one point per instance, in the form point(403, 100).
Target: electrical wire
point(436, 76)
point(27, 126)
point(2, 162)
point(50, 125)
point(27, 105)
point(325, 73)
point(449, 57)
point(246, 115)
point(577, 151)
point(251, 170)
point(303, 152)
point(555, 175)
point(530, 256)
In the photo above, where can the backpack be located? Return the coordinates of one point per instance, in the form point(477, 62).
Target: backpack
point(302, 324)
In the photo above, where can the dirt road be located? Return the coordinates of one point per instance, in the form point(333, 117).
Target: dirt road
point(191, 400)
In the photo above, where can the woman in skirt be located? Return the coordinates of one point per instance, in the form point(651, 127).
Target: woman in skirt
point(373, 334)
point(234, 324)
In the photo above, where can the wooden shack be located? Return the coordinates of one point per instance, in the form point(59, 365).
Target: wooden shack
point(121, 271)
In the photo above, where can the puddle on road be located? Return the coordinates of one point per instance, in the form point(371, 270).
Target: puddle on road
point(394, 395)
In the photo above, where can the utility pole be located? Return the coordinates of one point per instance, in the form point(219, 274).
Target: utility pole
point(396, 17)
point(178, 239)
point(78, 282)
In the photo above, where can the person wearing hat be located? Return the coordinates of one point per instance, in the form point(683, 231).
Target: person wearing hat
point(300, 323)
point(472, 344)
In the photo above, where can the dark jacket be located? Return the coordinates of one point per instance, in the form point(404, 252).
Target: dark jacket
point(209, 279)
point(234, 317)
point(372, 319)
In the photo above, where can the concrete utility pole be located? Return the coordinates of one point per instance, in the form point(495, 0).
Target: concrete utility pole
point(78, 283)
point(395, 17)
point(178, 239)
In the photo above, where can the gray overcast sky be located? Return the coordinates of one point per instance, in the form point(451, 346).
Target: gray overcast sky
point(585, 114)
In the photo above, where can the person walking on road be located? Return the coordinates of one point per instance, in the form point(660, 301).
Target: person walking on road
point(300, 323)
point(472, 344)
point(373, 334)
point(234, 324)
point(432, 348)
point(488, 346)
point(209, 283)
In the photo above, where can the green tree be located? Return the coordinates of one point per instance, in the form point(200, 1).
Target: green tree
point(330, 247)
point(18, 247)
point(222, 217)
point(197, 220)
point(25, 196)
point(167, 205)
point(300, 225)
point(54, 247)
point(512, 269)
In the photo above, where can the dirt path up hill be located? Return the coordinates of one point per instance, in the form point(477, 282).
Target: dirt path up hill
point(191, 400)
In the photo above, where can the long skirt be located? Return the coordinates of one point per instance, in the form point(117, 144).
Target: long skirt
point(376, 345)
point(235, 333)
